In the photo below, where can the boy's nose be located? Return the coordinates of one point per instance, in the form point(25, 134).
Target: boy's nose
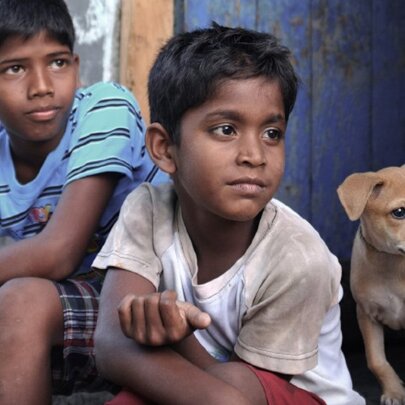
point(251, 151)
point(40, 84)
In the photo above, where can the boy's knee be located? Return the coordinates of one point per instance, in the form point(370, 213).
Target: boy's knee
point(30, 307)
point(19, 293)
point(12, 295)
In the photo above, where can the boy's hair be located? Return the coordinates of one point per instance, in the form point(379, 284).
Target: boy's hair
point(27, 18)
point(191, 65)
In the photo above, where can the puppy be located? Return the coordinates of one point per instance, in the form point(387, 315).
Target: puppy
point(377, 277)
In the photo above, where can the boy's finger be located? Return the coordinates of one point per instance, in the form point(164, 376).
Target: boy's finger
point(196, 318)
point(173, 318)
point(155, 331)
point(138, 321)
point(125, 314)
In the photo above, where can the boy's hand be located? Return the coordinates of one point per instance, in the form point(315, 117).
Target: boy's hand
point(158, 319)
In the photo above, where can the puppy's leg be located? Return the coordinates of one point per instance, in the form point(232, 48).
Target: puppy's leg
point(373, 336)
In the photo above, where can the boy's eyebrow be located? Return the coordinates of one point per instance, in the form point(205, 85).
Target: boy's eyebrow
point(22, 59)
point(11, 60)
point(60, 53)
point(236, 116)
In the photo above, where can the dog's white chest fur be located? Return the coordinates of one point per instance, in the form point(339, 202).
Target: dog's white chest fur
point(378, 284)
point(386, 307)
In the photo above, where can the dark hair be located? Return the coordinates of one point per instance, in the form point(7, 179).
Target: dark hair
point(27, 18)
point(190, 66)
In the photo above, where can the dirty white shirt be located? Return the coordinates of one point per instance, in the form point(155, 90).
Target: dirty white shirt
point(268, 308)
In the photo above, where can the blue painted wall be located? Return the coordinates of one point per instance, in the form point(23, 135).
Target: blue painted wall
point(350, 112)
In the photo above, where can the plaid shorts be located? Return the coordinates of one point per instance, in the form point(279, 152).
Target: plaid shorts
point(73, 365)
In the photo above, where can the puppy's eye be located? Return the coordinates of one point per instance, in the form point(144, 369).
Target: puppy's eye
point(398, 213)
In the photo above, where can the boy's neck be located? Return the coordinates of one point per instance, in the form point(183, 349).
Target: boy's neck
point(218, 243)
point(27, 164)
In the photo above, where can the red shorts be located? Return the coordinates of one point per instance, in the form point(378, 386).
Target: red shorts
point(277, 391)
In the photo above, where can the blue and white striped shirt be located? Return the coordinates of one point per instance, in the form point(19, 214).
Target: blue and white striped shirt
point(104, 134)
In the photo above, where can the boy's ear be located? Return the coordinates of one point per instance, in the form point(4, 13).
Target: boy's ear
point(161, 148)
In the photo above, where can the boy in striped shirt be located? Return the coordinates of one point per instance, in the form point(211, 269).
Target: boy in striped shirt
point(68, 158)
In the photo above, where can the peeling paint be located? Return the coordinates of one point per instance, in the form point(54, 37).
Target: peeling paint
point(97, 26)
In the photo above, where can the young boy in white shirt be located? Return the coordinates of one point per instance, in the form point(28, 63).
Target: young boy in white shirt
point(253, 282)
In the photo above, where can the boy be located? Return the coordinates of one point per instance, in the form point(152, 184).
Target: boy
point(68, 158)
point(252, 280)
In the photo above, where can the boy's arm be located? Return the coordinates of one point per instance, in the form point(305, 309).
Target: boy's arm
point(159, 373)
point(55, 252)
point(158, 319)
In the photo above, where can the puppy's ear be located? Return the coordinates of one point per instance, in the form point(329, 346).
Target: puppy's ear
point(355, 191)
point(161, 148)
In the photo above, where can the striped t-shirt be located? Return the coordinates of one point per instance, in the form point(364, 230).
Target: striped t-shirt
point(105, 133)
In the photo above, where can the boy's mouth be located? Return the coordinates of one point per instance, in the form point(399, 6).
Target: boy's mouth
point(248, 185)
point(43, 113)
point(247, 180)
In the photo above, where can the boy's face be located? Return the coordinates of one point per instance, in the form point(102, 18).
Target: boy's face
point(38, 79)
point(231, 154)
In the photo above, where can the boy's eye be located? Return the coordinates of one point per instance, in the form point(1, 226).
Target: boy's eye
point(273, 134)
point(59, 63)
point(226, 130)
point(14, 70)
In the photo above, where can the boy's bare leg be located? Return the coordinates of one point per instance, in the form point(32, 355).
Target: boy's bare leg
point(239, 376)
point(31, 322)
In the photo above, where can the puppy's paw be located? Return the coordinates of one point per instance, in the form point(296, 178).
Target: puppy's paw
point(394, 396)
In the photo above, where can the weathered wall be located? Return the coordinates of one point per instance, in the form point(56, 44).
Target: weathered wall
point(350, 112)
point(97, 24)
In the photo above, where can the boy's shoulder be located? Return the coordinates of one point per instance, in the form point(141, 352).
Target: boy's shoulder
point(100, 107)
point(287, 251)
point(287, 220)
point(293, 240)
point(159, 199)
point(104, 90)
point(147, 214)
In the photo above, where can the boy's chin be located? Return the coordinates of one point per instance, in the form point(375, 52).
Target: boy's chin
point(244, 216)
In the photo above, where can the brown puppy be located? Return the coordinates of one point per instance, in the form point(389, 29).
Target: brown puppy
point(377, 276)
